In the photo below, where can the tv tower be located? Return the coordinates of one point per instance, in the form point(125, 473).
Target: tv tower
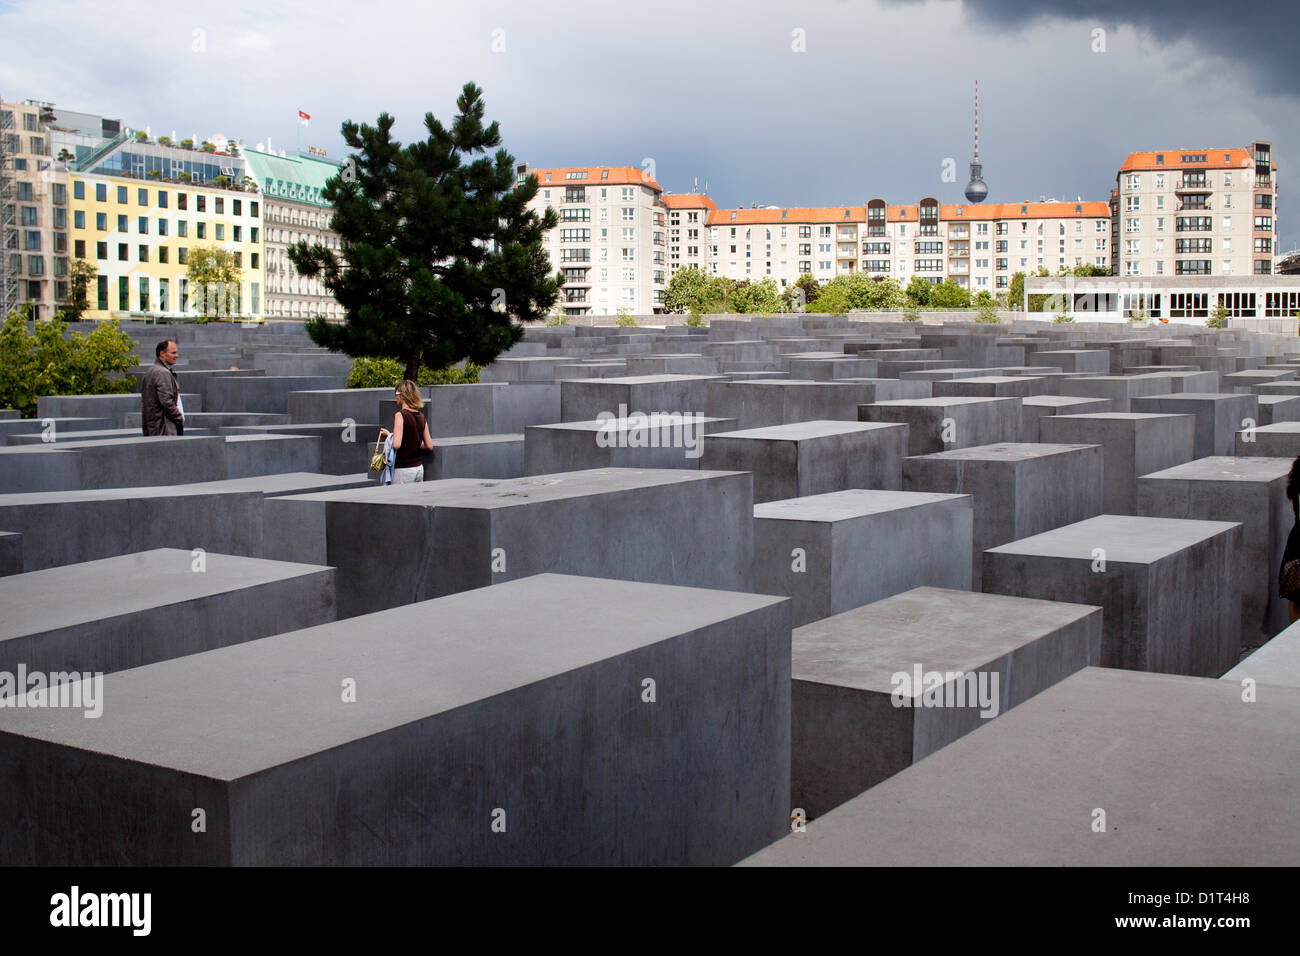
point(975, 189)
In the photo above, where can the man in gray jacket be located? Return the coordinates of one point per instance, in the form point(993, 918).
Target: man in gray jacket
point(160, 409)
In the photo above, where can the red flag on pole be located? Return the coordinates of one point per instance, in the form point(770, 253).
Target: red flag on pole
point(303, 118)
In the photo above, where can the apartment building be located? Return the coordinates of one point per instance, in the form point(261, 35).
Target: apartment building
point(293, 210)
point(33, 210)
point(611, 243)
point(688, 230)
point(1196, 212)
point(139, 233)
point(978, 246)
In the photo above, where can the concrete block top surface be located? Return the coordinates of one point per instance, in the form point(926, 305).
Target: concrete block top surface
point(946, 401)
point(1277, 662)
point(635, 422)
point(229, 713)
point(646, 379)
point(1226, 468)
point(939, 628)
point(74, 594)
point(458, 440)
point(844, 505)
point(1120, 416)
point(1125, 538)
point(1059, 401)
point(298, 482)
point(1194, 777)
point(799, 431)
point(476, 493)
point(1002, 451)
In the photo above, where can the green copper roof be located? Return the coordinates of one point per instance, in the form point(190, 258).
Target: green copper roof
point(299, 178)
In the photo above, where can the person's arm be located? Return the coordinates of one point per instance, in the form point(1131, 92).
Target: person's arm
point(428, 439)
point(397, 431)
point(167, 400)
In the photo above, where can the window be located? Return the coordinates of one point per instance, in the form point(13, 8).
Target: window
point(162, 227)
point(1192, 267)
point(121, 196)
point(144, 253)
point(79, 248)
point(182, 201)
point(235, 234)
point(101, 251)
point(629, 213)
point(162, 199)
point(182, 255)
point(144, 293)
point(1263, 267)
point(1264, 222)
point(182, 228)
point(1182, 246)
point(200, 203)
point(235, 207)
point(162, 254)
point(29, 215)
point(629, 193)
point(201, 230)
point(122, 253)
point(239, 260)
point(121, 223)
point(142, 197)
point(101, 192)
point(123, 294)
point(1192, 224)
point(1132, 203)
point(78, 219)
point(221, 204)
point(142, 225)
point(1160, 202)
point(101, 293)
point(1264, 245)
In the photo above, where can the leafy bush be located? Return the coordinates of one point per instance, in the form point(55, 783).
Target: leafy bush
point(47, 363)
point(1063, 316)
point(1219, 317)
point(988, 312)
point(385, 373)
point(911, 314)
point(695, 320)
point(1139, 316)
point(625, 319)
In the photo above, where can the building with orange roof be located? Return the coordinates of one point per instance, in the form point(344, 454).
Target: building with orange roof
point(611, 243)
point(688, 216)
point(1196, 212)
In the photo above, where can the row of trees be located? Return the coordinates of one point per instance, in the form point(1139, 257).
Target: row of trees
point(214, 280)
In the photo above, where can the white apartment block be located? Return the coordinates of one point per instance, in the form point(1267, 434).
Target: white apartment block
point(1195, 212)
point(978, 246)
point(611, 243)
point(688, 231)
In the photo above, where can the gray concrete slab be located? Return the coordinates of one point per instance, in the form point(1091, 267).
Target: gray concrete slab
point(1133, 443)
point(650, 441)
point(476, 456)
point(10, 428)
point(489, 409)
point(530, 742)
point(1218, 416)
point(1019, 489)
point(11, 553)
point(1251, 491)
point(335, 404)
point(938, 424)
point(1171, 588)
point(1279, 440)
point(1120, 389)
point(991, 386)
point(621, 396)
point(1277, 408)
point(787, 401)
point(859, 711)
point(663, 526)
point(1035, 407)
point(811, 458)
point(1162, 756)
point(832, 552)
point(123, 612)
point(1276, 663)
point(1093, 361)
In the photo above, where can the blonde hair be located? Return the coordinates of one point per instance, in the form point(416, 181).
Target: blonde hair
point(410, 393)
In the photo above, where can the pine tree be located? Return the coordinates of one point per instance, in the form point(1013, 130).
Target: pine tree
point(439, 256)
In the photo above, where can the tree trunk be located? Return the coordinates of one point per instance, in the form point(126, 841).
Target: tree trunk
point(413, 369)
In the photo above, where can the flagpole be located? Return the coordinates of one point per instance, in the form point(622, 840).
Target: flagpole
point(298, 124)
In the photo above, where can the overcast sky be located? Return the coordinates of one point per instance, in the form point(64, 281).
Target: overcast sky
point(775, 102)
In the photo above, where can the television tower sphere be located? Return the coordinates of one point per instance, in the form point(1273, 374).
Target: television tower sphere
point(975, 189)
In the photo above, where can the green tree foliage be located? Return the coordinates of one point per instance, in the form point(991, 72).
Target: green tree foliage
point(982, 297)
point(625, 319)
point(686, 290)
point(949, 295)
point(918, 291)
point(760, 298)
point(443, 256)
point(811, 290)
point(45, 362)
point(858, 291)
point(82, 276)
point(988, 312)
point(386, 372)
point(1218, 317)
point(1016, 295)
point(214, 280)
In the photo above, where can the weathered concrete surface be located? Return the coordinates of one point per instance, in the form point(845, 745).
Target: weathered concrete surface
point(1162, 755)
point(11, 553)
point(784, 402)
point(1218, 416)
point(991, 386)
point(811, 458)
point(833, 552)
point(537, 722)
point(1251, 491)
point(1120, 389)
point(123, 612)
point(651, 441)
point(1019, 489)
point(1280, 440)
point(1035, 407)
point(938, 424)
point(1133, 443)
point(487, 409)
point(1171, 588)
point(1277, 662)
point(855, 723)
point(584, 400)
point(661, 526)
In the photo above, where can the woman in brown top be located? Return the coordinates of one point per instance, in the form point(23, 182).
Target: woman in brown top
point(410, 435)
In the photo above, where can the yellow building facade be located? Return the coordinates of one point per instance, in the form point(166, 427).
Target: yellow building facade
point(140, 234)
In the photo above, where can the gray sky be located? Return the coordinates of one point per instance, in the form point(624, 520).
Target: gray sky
point(814, 102)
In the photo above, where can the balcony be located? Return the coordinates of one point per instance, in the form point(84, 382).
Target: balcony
point(1194, 185)
point(958, 252)
point(959, 232)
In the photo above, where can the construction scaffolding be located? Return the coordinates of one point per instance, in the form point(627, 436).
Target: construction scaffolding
point(8, 218)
